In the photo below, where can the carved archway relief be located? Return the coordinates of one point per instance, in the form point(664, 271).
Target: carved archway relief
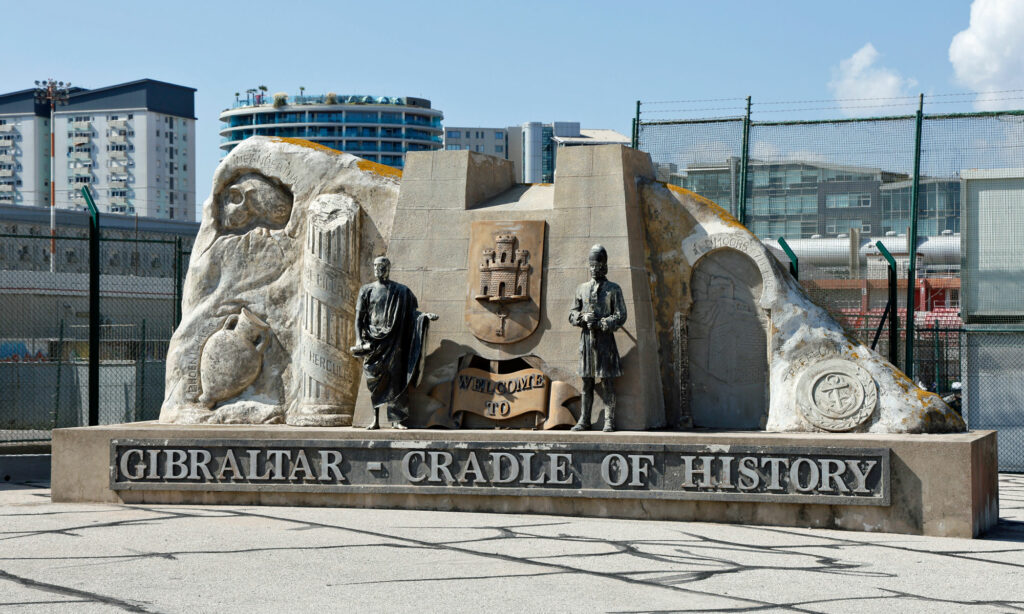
point(726, 323)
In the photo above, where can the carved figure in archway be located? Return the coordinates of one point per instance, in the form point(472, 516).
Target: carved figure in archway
point(727, 345)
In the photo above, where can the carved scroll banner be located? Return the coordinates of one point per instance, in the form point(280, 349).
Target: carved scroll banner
point(504, 396)
point(506, 261)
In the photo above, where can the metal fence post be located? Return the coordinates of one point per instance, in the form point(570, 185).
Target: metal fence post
point(794, 262)
point(912, 240)
point(94, 309)
point(179, 275)
point(60, 364)
point(741, 212)
point(636, 127)
point(894, 337)
point(140, 379)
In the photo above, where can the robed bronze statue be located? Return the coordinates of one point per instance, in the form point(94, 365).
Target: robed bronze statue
point(390, 334)
point(599, 310)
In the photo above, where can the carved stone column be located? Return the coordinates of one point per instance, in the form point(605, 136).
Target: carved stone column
point(330, 281)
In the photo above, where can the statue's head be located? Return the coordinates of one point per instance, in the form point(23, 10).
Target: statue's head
point(598, 262)
point(381, 268)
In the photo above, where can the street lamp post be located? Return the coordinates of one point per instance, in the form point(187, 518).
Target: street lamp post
point(54, 92)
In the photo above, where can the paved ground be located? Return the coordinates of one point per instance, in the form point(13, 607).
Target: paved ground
point(137, 558)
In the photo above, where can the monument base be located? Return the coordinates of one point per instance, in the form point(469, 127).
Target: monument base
point(940, 485)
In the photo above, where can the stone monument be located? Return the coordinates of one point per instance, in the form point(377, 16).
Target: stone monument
point(776, 415)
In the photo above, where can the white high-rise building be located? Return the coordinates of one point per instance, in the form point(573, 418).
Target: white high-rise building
point(133, 144)
point(24, 150)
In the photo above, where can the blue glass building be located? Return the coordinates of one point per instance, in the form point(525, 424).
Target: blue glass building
point(376, 128)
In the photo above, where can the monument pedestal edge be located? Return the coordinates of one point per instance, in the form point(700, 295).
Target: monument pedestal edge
point(940, 485)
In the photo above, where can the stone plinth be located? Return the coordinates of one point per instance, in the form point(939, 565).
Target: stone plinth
point(940, 485)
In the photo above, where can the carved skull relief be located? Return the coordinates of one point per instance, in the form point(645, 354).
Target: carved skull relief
point(253, 201)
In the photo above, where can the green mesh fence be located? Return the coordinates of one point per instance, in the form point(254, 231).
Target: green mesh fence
point(834, 189)
point(44, 331)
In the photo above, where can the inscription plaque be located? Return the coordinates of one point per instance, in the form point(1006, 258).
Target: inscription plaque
point(828, 476)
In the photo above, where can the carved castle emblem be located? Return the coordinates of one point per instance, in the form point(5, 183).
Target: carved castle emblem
point(836, 395)
point(505, 272)
point(505, 261)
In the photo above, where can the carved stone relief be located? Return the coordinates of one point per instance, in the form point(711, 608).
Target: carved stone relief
point(726, 343)
point(836, 395)
point(232, 357)
point(253, 201)
point(505, 264)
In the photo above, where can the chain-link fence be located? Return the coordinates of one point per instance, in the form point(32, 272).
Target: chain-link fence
point(824, 194)
point(46, 322)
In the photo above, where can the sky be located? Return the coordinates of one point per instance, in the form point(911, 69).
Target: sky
point(505, 63)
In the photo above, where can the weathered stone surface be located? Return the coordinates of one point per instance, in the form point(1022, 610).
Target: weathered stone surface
point(287, 234)
point(818, 379)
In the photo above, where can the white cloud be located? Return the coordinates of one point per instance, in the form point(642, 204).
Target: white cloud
point(989, 55)
point(858, 76)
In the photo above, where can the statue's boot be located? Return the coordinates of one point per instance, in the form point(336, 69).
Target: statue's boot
point(583, 424)
point(609, 415)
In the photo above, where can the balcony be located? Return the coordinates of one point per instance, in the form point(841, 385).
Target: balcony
point(118, 155)
point(118, 184)
point(80, 140)
point(6, 127)
point(6, 196)
point(117, 139)
point(117, 123)
point(6, 187)
point(6, 158)
point(81, 155)
point(118, 200)
point(81, 125)
point(6, 172)
point(81, 171)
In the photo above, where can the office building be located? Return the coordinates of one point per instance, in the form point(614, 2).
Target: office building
point(376, 128)
point(532, 147)
point(802, 199)
point(132, 144)
point(490, 141)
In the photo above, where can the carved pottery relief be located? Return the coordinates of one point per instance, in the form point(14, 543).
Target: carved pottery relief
point(231, 358)
point(726, 343)
point(253, 201)
point(836, 395)
point(505, 264)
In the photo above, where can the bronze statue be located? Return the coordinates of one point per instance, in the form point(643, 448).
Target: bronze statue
point(390, 334)
point(599, 310)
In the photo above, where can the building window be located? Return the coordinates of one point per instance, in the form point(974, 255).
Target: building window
point(453, 147)
point(454, 134)
point(499, 134)
point(499, 149)
point(843, 201)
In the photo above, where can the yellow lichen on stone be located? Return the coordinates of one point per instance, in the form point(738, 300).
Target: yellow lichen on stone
point(305, 143)
point(721, 213)
point(380, 169)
